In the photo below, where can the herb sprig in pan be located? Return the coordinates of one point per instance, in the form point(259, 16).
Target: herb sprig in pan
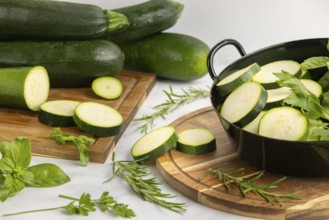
point(246, 184)
point(147, 188)
point(173, 101)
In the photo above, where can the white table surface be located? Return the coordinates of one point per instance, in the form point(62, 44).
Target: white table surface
point(255, 24)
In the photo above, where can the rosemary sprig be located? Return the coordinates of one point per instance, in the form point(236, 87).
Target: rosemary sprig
point(173, 101)
point(246, 184)
point(147, 188)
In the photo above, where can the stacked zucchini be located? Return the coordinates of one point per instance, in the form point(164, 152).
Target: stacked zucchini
point(54, 43)
point(283, 99)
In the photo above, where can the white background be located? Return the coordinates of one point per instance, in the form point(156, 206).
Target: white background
point(254, 23)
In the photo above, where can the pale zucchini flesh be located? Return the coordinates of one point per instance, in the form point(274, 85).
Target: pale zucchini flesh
point(154, 144)
point(57, 113)
point(235, 79)
point(244, 104)
point(196, 141)
point(107, 87)
point(253, 126)
point(284, 123)
point(98, 119)
point(266, 75)
point(313, 86)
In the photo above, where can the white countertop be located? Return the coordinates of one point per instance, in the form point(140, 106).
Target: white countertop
point(255, 24)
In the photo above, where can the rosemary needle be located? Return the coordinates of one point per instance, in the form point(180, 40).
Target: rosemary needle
point(246, 184)
point(173, 101)
point(147, 188)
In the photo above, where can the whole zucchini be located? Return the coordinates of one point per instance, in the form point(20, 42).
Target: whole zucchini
point(145, 19)
point(168, 55)
point(56, 20)
point(69, 63)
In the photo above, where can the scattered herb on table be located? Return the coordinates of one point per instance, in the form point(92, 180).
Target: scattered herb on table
point(80, 142)
point(246, 184)
point(84, 205)
point(15, 172)
point(173, 102)
point(147, 188)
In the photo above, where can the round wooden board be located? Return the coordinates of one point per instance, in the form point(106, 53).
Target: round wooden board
point(182, 172)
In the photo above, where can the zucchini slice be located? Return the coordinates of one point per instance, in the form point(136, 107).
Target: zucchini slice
point(253, 126)
point(276, 97)
point(97, 119)
point(234, 80)
point(285, 123)
point(244, 104)
point(58, 113)
point(23, 87)
point(154, 144)
point(107, 87)
point(266, 77)
point(196, 141)
point(313, 86)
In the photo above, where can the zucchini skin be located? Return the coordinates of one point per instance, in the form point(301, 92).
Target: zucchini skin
point(145, 19)
point(54, 20)
point(69, 63)
point(169, 55)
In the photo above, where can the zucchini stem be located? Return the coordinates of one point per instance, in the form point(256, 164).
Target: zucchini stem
point(115, 20)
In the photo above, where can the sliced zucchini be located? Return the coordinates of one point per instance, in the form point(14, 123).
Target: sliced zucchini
point(57, 113)
point(234, 80)
point(196, 141)
point(23, 87)
point(285, 123)
point(276, 97)
point(107, 87)
point(266, 77)
point(253, 126)
point(154, 144)
point(244, 104)
point(313, 86)
point(97, 119)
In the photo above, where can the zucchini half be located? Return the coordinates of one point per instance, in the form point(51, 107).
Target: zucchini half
point(24, 87)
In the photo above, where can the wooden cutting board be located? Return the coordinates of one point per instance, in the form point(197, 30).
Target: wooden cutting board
point(14, 123)
point(182, 172)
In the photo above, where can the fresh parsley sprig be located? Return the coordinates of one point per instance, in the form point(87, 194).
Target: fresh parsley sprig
point(81, 142)
point(173, 101)
point(137, 176)
point(246, 184)
point(84, 205)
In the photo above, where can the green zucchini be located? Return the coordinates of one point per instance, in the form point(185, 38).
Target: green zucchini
point(244, 103)
point(23, 87)
point(98, 119)
point(235, 79)
point(313, 86)
point(266, 75)
point(285, 123)
point(145, 19)
point(57, 113)
point(56, 20)
point(168, 55)
point(107, 87)
point(196, 141)
point(69, 63)
point(276, 96)
point(154, 144)
point(254, 124)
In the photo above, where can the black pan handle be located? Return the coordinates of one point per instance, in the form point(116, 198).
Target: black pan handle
point(213, 51)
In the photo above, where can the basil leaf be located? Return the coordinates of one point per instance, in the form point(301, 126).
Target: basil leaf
point(46, 175)
point(315, 62)
point(20, 152)
point(7, 165)
point(10, 186)
point(4, 145)
point(27, 177)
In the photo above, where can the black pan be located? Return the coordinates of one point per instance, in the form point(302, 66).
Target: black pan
point(292, 158)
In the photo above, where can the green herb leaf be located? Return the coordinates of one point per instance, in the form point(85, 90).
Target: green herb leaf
point(10, 186)
point(47, 175)
point(20, 152)
point(301, 96)
point(315, 62)
point(136, 176)
point(80, 142)
point(4, 145)
point(123, 210)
